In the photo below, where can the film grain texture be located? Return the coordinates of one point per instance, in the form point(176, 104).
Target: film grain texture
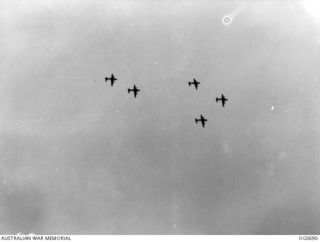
point(81, 156)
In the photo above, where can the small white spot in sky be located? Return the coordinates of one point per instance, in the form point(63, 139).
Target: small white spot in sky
point(226, 20)
point(117, 111)
point(272, 108)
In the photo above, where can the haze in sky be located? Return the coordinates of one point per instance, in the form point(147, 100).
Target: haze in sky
point(78, 156)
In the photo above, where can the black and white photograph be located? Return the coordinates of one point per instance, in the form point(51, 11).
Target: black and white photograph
point(182, 117)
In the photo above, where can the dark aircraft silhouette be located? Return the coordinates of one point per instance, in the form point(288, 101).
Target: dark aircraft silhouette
point(202, 120)
point(135, 90)
point(112, 79)
point(222, 99)
point(195, 83)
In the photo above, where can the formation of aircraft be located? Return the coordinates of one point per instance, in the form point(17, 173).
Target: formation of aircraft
point(196, 83)
point(222, 99)
point(202, 120)
point(112, 79)
point(135, 90)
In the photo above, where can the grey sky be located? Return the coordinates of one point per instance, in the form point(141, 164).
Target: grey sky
point(80, 157)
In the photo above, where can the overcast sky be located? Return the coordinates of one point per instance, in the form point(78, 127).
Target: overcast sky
point(78, 156)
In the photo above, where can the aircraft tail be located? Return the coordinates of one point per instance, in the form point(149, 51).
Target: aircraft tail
point(217, 99)
point(196, 121)
point(128, 90)
point(189, 83)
